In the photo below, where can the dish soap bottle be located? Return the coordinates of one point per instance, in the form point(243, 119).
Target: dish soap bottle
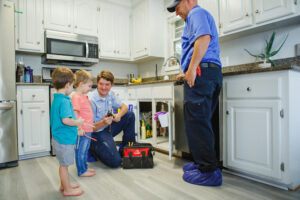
point(143, 130)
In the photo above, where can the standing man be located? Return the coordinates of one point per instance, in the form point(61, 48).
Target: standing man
point(203, 81)
point(107, 127)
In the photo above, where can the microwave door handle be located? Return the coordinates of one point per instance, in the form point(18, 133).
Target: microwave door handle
point(87, 49)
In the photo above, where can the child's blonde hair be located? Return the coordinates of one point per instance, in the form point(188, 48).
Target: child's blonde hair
point(82, 76)
point(61, 76)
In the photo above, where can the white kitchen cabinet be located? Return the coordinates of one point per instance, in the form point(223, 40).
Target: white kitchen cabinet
point(212, 6)
point(114, 31)
point(271, 9)
point(86, 17)
point(254, 124)
point(260, 126)
point(235, 14)
point(29, 25)
point(59, 15)
point(154, 98)
point(148, 29)
point(33, 121)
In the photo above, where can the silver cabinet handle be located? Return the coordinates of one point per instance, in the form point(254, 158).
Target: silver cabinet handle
point(115, 51)
point(118, 51)
point(248, 89)
point(69, 25)
point(5, 107)
point(257, 11)
point(43, 111)
point(87, 49)
point(75, 26)
point(33, 95)
point(38, 42)
point(247, 14)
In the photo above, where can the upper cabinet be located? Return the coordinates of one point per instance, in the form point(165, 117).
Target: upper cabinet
point(239, 15)
point(235, 14)
point(271, 9)
point(73, 16)
point(29, 25)
point(148, 29)
point(59, 15)
point(114, 31)
point(212, 6)
point(85, 17)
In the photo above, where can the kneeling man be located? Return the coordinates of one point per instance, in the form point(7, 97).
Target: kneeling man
point(107, 127)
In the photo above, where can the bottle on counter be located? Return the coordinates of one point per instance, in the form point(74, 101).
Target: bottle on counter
point(20, 71)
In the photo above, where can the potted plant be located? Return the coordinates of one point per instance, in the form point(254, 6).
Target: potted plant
point(268, 53)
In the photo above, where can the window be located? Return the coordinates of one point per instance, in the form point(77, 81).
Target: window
point(178, 31)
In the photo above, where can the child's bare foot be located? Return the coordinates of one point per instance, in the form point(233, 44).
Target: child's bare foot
point(87, 174)
point(73, 193)
point(91, 170)
point(74, 186)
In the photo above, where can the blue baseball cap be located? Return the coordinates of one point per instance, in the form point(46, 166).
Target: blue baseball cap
point(172, 7)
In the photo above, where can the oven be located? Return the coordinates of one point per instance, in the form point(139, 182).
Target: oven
point(70, 48)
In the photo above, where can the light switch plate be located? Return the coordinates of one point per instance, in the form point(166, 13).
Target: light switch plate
point(297, 49)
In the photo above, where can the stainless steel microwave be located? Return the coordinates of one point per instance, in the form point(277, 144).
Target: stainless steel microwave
point(70, 49)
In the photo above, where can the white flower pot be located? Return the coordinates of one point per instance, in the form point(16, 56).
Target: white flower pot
point(264, 64)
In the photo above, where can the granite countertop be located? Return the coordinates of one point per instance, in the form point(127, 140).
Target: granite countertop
point(36, 83)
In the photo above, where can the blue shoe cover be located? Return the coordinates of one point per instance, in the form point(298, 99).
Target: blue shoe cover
point(203, 178)
point(190, 166)
point(90, 158)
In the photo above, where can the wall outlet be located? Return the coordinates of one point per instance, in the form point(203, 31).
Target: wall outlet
point(297, 49)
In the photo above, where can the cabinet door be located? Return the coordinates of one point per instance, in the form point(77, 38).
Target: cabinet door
point(140, 30)
point(122, 32)
point(59, 15)
point(235, 14)
point(85, 17)
point(271, 9)
point(212, 6)
point(30, 33)
point(106, 30)
point(253, 131)
point(36, 127)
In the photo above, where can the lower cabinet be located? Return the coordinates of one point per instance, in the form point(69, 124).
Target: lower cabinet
point(33, 121)
point(260, 126)
point(146, 100)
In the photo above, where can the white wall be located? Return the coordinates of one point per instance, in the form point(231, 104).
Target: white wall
point(232, 52)
point(120, 70)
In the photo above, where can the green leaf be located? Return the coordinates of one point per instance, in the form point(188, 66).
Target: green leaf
point(275, 52)
point(256, 56)
point(270, 44)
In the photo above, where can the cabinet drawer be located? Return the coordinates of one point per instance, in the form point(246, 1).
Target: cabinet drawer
point(144, 93)
point(254, 88)
point(131, 94)
point(120, 93)
point(162, 92)
point(36, 95)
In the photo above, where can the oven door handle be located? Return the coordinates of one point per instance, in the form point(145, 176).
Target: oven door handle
point(87, 49)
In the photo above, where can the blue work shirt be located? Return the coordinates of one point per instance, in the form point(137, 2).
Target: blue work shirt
point(62, 108)
point(101, 106)
point(199, 22)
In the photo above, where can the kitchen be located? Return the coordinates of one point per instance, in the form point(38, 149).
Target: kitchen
point(256, 102)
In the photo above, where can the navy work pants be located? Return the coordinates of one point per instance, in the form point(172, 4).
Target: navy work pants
point(105, 149)
point(200, 102)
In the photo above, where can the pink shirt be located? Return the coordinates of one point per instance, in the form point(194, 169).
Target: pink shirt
point(82, 105)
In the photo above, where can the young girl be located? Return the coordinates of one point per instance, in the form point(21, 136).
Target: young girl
point(82, 108)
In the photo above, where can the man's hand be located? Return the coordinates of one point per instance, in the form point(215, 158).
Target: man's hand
point(190, 77)
point(180, 76)
point(107, 120)
point(116, 118)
